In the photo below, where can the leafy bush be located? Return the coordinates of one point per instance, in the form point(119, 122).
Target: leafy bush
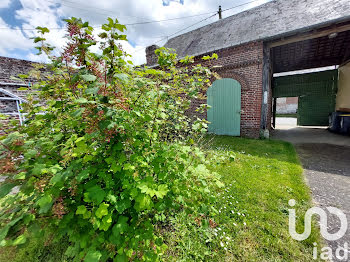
point(108, 154)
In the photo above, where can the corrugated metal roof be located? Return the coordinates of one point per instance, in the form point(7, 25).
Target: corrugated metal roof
point(271, 20)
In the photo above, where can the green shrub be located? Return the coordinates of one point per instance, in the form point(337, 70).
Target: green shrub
point(108, 153)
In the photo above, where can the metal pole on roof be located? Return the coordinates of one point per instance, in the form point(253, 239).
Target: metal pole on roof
point(220, 12)
point(23, 115)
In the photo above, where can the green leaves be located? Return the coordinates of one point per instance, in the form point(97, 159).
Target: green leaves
point(120, 27)
point(123, 205)
point(121, 226)
point(96, 194)
point(143, 202)
point(113, 24)
point(81, 148)
point(106, 222)
point(58, 177)
point(112, 151)
point(19, 240)
point(162, 191)
point(208, 57)
point(166, 57)
point(45, 204)
point(122, 77)
point(159, 191)
point(42, 30)
point(92, 90)
point(38, 39)
point(88, 78)
point(103, 35)
point(6, 188)
point(31, 153)
point(83, 175)
point(102, 210)
point(81, 210)
point(93, 256)
point(81, 100)
point(4, 230)
point(79, 111)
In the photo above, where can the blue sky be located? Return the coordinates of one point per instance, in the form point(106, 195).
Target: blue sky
point(18, 18)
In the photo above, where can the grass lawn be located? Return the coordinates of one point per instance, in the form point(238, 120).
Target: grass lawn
point(251, 222)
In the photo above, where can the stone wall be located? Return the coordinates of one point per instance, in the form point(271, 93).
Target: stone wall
point(10, 68)
point(151, 58)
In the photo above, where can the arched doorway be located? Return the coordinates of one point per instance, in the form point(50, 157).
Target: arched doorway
point(224, 97)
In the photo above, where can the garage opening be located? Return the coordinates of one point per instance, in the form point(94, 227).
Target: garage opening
point(314, 94)
point(307, 66)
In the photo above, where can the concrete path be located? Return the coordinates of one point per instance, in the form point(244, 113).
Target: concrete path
point(286, 122)
point(326, 160)
point(327, 170)
point(287, 130)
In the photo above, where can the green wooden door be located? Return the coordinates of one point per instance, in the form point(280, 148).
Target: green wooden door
point(316, 92)
point(224, 97)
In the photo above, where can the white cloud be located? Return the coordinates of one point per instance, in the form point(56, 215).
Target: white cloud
point(41, 13)
point(137, 52)
point(49, 13)
point(5, 3)
point(37, 58)
point(12, 39)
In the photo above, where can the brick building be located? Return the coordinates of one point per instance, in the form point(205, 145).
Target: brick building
point(279, 36)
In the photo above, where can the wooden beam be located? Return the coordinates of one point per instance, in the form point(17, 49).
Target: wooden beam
point(274, 110)
point(309, 35)
point(346, 57)
point(266, 87)
point(306, 64)
point(346, 61)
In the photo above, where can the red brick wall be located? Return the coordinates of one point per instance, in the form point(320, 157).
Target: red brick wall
point(244, 64)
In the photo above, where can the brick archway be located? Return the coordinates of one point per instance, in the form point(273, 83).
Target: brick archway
point(234, 75)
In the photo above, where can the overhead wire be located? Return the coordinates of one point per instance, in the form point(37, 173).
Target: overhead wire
point(179, 31)
point(126, 24)
point(98, 8)
point(167, 37)
point(144, 22)
point(130, 24)
point(85, 8)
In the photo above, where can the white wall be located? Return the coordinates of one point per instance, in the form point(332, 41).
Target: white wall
point(287, 105)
